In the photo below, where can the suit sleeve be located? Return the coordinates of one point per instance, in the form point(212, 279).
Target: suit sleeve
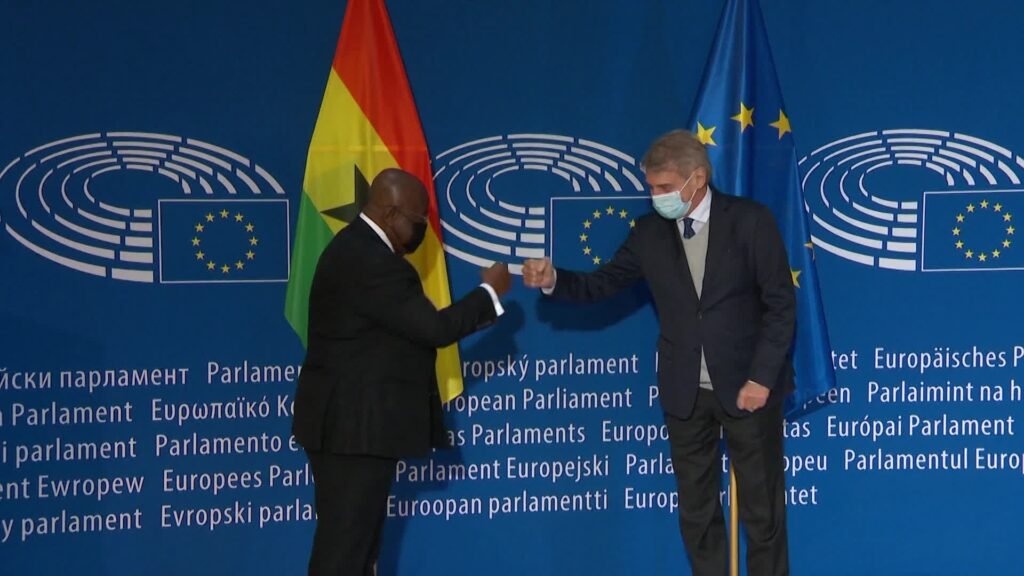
point(393, 297)
point(778, 302)
point(623, 270)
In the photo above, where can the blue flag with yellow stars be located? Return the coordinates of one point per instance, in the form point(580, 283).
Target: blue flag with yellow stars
point(215, 241)
point(971, 230)
point(741, 119)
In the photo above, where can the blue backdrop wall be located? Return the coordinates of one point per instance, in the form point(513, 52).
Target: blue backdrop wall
point(145, 404)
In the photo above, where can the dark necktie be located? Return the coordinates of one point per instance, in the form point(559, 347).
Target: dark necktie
point(688, 230)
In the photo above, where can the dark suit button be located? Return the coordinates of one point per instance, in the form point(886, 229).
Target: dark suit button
point(696, 349)
point(700, 315)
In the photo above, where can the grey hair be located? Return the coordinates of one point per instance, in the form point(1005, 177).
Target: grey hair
point(678, 150)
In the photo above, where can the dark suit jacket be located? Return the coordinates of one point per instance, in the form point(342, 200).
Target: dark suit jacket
point(368, 384)
point(744, 318)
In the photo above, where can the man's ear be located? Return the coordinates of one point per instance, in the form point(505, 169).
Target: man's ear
point(702, 177)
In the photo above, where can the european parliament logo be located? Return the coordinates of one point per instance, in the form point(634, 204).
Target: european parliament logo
point(517, 196)
point(145, 207)
point(916, 200)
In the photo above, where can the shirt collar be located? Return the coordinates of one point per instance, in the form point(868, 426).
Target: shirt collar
point(378, 230)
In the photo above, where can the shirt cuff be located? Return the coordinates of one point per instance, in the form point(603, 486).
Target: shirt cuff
point(548, 291)
point(498, 310)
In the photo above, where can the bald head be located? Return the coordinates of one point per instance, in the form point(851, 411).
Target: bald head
point(396, 187)
point(398, 203)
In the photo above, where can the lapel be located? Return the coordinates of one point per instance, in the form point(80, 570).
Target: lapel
point(718, 238)
point(374, 243)
point(368, 234)
point(679, 267)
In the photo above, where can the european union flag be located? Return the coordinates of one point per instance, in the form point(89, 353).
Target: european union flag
point(586, 232)
point(223, 241)
point(741, 119)
point(971, 230)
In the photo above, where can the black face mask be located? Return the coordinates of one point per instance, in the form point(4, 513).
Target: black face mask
point(419, 231)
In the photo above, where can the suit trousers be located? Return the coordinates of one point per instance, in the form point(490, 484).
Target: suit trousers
point(756, 454)
point(351, 493)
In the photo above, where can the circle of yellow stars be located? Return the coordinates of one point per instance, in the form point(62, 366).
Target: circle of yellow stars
point(1005, 218)
point(224, 268)
point(608, 213)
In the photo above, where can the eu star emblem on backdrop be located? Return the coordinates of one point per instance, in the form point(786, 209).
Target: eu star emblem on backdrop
point(741, 119)
point(586, 232)
point(208, 241)
point(971, 230)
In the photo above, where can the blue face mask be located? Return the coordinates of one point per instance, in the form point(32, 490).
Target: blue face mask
point(671, 204)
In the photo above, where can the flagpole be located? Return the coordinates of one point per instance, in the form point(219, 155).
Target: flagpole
point(734, 526)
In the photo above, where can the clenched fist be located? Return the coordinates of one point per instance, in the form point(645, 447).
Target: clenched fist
point(497, 277)
point(539, 273)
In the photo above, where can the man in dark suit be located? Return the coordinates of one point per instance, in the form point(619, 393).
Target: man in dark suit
point(717, 270)
point(368, 392)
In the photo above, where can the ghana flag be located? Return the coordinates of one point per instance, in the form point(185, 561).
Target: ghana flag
point(367, 123)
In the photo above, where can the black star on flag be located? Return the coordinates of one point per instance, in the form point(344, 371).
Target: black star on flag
point(349, 212)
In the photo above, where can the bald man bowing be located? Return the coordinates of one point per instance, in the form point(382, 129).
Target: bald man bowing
point(368, 393)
